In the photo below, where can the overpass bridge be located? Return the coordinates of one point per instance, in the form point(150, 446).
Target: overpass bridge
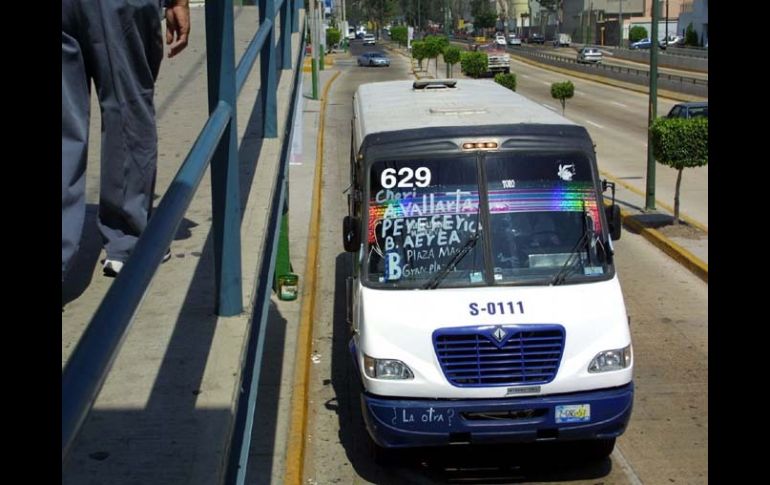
point(187, 401)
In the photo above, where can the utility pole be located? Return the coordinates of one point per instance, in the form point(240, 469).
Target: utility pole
point(446, 18)
point(649, 201)
point(666, 23)
point(620, 25)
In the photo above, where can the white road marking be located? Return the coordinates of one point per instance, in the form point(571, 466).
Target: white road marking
point(595, 124)
point(545, 82)
point(619, 104)
point(549, 107)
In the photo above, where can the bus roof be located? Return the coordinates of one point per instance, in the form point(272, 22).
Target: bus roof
point(397, 105)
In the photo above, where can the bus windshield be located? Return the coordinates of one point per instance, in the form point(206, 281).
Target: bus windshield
point(422, 213)
point(427, 226)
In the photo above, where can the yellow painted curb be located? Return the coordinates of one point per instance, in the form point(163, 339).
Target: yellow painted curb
point(295, 448)
point(307, 65)
point(677, 252)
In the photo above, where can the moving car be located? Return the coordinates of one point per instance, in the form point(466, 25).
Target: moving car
point(689, 110)
point(536, 39)
point(562, 40)
point(500, 39)
point(369, 39)
point(589, 55)
point(373, 59)
point(646, 44)
point(513, 40)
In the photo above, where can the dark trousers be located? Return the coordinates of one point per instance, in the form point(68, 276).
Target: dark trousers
point(118, 45)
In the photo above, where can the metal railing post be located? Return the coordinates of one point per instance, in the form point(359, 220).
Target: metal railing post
point(225, 194)
point(296, 5)
point(287, 14)
point(267, 62)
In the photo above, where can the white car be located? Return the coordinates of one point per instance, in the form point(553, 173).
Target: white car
point(589, 55)
point(500, 40)
point(513, 40)
point(369, 39)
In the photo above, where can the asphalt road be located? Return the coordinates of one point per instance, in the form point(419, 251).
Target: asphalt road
point(667, 439)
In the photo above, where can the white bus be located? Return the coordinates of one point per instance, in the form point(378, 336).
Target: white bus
point(484, 305)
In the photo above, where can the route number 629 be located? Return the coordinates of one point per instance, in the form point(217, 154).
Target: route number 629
point(421, 176)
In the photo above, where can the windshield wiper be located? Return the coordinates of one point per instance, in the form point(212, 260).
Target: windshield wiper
point(432, 284)
point(574, 256)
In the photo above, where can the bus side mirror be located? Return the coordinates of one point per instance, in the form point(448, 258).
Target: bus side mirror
point(351, 233)
point(614, 221)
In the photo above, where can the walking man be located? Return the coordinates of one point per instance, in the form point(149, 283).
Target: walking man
point(118, 45)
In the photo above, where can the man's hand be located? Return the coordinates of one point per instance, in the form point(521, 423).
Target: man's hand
point(177, 26)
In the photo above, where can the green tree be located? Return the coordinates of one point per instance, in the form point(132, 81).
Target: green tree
point(333, 37)
point(434, 46)
point(690, 36)
point(506, 80)
point(398, 33)
point(474, 64)
point(680, 143)
point(562, 91)
point(451, 57)
point(419, 52)
point(637, 33)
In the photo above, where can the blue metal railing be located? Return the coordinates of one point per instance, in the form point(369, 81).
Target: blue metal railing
point(90, 362)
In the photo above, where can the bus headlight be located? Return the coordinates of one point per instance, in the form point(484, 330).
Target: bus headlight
point(386, 369)
point(610, 360)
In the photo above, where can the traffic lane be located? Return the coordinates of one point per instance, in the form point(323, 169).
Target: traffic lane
point(336, 447)
point(616, 118)
point(337, 451)
point(667, 438)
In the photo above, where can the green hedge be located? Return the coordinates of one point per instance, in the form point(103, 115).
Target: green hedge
point(680, 143)
point(506, 80)
point(562, 91)
point(399, 34)
point(333, 37)
point(474, 64)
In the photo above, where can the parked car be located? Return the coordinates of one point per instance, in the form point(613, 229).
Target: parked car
point(536, 38)
point(589, 55)
point(513, 40)
point(351, 33)
point(369, 39)
point(500, 39)
point(373, 59)
point(689, 110)
point(360, 34)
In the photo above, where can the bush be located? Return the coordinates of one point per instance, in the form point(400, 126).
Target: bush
point(562, 92)
point(637, 33)
point(680, 143)
point(451, 57)
point(506, 80)
point(419, 51)
point(399, 34)
point(333, 37)
point(474, 64)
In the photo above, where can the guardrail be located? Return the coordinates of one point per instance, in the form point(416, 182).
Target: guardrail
point(672, 82)
point(90, 362)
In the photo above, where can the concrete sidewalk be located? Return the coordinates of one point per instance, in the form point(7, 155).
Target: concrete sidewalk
point(687, 243)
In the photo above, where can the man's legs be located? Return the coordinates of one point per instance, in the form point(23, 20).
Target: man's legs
point(74, 137)
point(127, 49)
